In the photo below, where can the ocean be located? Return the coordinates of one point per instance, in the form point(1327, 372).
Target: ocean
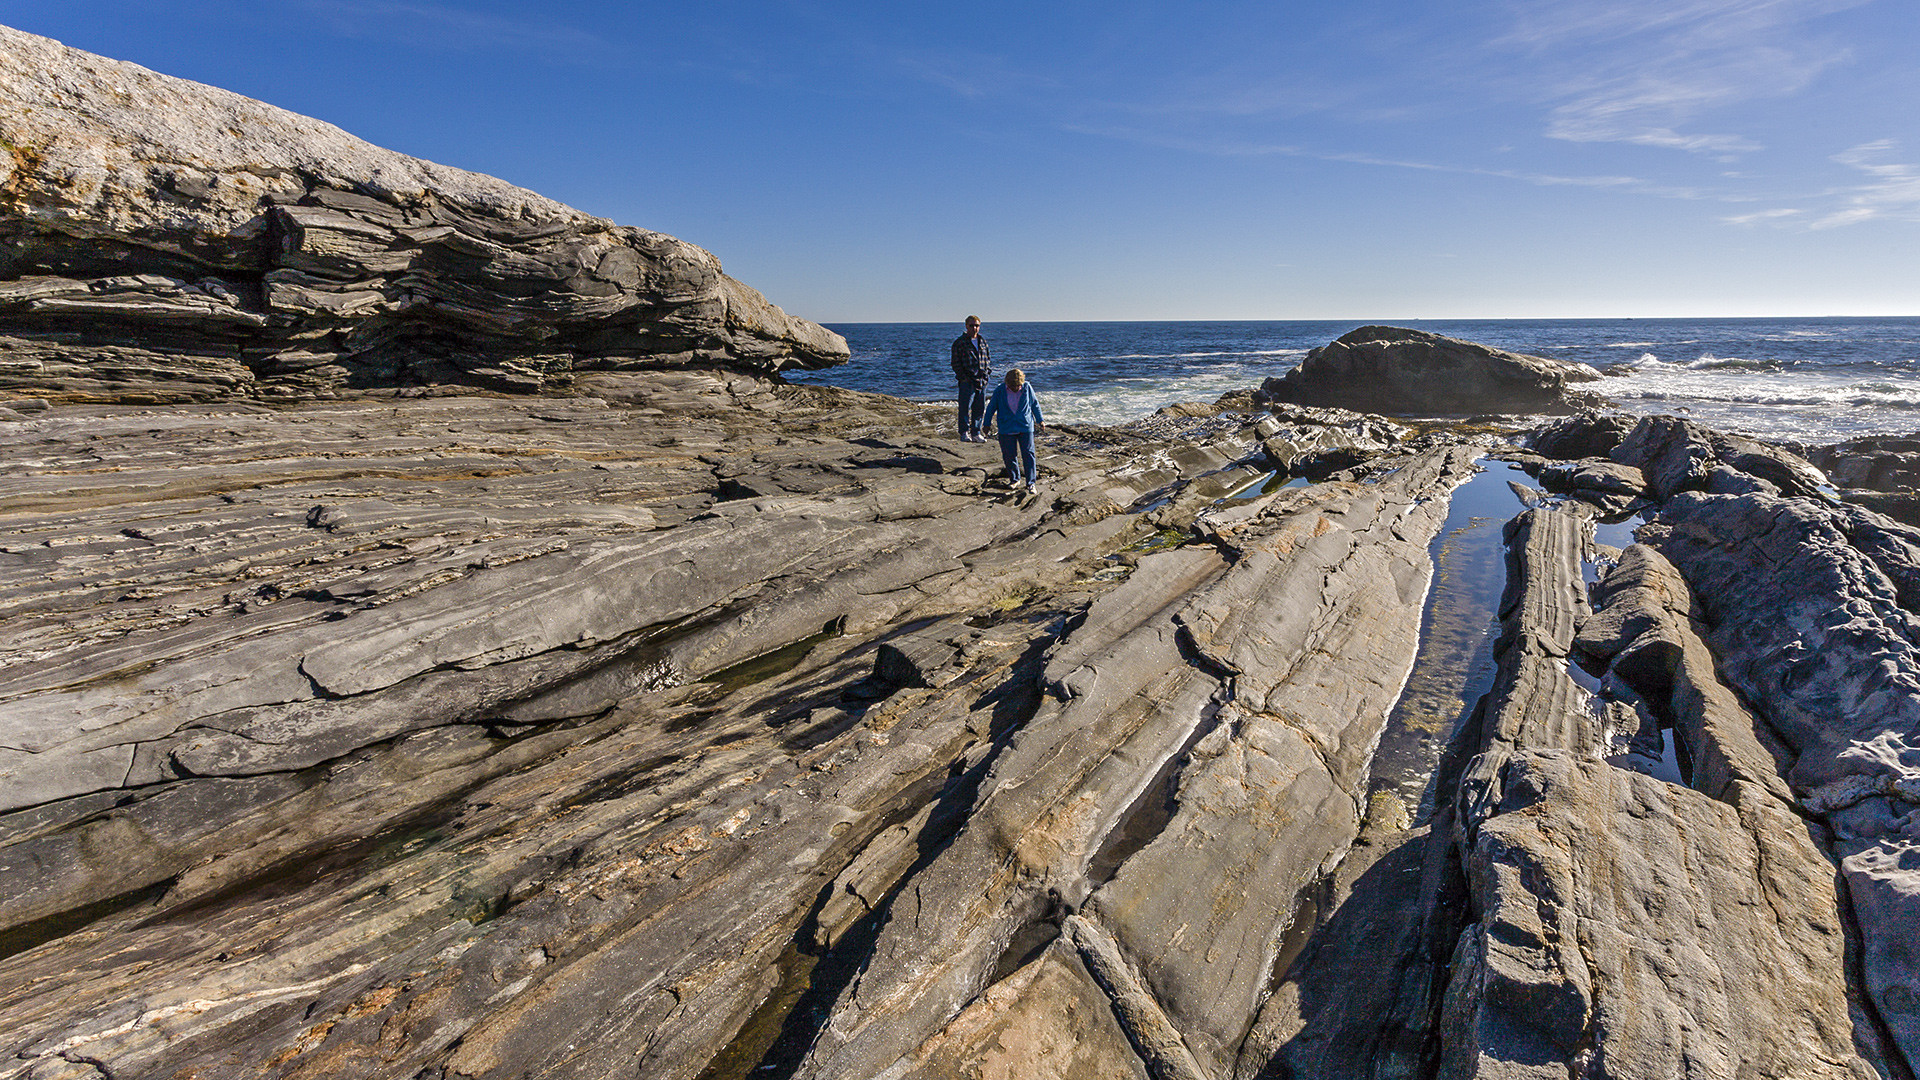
point(1814, 380)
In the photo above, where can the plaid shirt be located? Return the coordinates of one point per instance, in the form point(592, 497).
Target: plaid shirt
point(970, 362)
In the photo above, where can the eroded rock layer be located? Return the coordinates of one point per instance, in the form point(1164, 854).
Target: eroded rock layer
point(164, 241)
point(707, 727)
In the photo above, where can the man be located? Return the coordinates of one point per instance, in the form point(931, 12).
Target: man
point(972, 371)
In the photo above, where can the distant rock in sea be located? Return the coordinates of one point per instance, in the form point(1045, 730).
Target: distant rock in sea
point(165, 241)
point(1388, 369)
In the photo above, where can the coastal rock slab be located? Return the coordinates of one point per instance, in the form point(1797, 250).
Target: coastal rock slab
point(1236, 690)
point(1813, 612)
point(1389, 369)
point(1634, 928)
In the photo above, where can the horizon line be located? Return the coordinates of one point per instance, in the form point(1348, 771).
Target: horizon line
point(1370, 321)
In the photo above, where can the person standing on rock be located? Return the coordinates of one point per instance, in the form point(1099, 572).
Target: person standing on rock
point(972, 370)
point(1016, 409)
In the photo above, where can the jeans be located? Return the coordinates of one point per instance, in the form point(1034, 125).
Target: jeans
point(973, 408)
point(1019, 443)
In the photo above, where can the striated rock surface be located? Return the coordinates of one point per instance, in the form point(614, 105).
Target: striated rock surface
point(1388, 369)
point(711, 727)
point(1815, 609)
point(695, 725)
point(164, 241)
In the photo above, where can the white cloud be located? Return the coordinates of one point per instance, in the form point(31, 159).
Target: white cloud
point(1892, 193)
point(1242, 148)
point(1643, 72)
point(1893, 190)
point(1763, 217)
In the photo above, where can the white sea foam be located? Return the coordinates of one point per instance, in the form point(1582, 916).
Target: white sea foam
point(1129, 399)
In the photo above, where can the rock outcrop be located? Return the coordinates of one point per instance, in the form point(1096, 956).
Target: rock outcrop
point(693, 725)
point(480, 737)
point(164, 241)
point(472, 730)
point(1388, 369)
point(1880, 473)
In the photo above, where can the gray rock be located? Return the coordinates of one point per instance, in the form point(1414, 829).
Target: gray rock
point(1812, 612)
point(1678, 455)
point(275, 255)
point(1633, 928)
point(1585, 434)
point(1070, 820)
point(1877, 463)
point(1048, 1020)
point(1391, 370)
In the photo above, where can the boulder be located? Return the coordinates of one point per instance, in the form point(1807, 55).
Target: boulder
point(1679, 455)
point(182, 243)
point(1876, 463)
point(1585, 434)
point(1388, 369)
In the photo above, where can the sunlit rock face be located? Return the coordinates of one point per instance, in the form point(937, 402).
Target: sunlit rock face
point(163, 241)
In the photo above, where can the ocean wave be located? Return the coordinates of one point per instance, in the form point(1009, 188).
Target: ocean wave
point(1193, 355)
point(1710, 362)
point(1890, 397)
point(1735, 363)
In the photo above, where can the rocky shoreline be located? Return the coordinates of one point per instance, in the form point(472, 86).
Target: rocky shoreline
point(494, 736)
point(392, 716)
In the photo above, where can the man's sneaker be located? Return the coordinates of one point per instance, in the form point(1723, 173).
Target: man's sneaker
point(1032, 486)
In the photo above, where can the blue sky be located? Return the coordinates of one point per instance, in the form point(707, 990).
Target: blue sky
point(1355, 160)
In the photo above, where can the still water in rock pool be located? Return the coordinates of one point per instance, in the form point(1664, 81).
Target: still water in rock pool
point(1455, 663)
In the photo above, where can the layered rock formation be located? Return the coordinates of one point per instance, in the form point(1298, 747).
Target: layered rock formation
point(518, 726)
point(694, 725)
point(1388, 369)
point(634, 734)
point(164, 241)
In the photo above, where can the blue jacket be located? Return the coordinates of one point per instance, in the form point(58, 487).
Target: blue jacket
point(1014, 415)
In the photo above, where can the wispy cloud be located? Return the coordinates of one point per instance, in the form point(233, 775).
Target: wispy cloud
point(1892, 192)
point(1644, 72)
point(1238, 148)
point(1764, 217)
point(438, 26)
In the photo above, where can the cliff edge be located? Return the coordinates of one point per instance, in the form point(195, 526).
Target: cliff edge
point(164, 241)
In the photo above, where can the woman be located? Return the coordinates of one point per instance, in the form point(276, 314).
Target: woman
point(1016, 409)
